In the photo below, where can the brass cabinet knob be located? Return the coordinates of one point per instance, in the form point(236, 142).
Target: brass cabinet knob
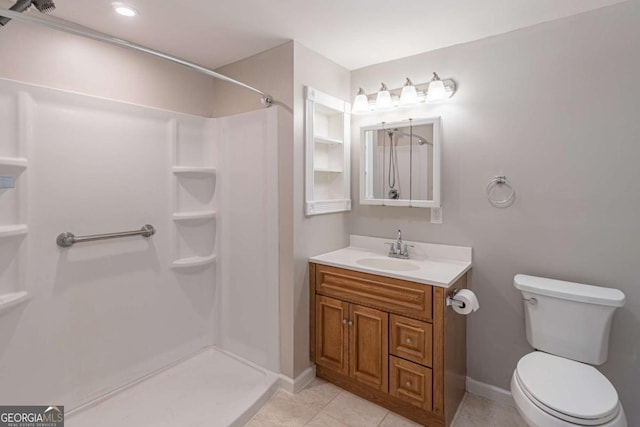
point(408, 340)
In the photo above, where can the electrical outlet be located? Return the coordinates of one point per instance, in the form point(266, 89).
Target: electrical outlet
point(436, 215)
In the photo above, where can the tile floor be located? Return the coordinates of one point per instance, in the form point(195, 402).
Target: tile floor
point(322, 404)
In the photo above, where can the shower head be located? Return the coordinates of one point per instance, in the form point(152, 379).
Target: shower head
point(44, 6)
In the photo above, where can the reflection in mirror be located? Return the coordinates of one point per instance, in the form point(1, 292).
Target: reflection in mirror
point(401, 163)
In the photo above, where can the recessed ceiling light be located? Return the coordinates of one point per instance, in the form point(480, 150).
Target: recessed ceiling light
point(124, 9)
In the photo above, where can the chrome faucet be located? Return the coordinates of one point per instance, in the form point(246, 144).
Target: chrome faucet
point(399, 249)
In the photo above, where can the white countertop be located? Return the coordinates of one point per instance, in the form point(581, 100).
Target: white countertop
point(432, 264)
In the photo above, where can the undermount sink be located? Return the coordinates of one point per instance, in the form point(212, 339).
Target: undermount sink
point(388, 264)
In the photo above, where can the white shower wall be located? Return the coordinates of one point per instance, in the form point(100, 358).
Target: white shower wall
point(248, 322)
point(102, 314)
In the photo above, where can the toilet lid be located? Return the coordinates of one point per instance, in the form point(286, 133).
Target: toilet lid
point(567, 387)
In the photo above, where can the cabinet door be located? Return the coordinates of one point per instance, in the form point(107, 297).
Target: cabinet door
point(369, 347)
point(332, 334)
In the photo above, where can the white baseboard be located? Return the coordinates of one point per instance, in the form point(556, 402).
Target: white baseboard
point(490, 392)
point(300, 382)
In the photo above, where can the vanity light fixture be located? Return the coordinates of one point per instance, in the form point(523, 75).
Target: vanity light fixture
point(124, 9)
point(410, 94)
point(436, 90)
point(383, 99)
point(361, 102)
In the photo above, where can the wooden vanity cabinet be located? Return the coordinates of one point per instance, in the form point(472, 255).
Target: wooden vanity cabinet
point(390, 341)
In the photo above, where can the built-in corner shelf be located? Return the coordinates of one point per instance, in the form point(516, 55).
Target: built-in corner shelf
point(13, 230)
point(12, 299)
point(196, 261)
point(16, 162)
point(193, 170)
point(194, 182)
point(195, 215)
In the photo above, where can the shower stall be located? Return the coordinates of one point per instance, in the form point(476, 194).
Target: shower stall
point(140, 329)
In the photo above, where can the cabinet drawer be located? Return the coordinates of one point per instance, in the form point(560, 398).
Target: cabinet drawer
point(410, 382)
point(411, 339)
point(392, 295)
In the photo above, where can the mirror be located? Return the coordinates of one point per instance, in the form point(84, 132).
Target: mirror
point(400, 163)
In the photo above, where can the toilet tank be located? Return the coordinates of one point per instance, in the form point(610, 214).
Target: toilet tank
point(568, 319)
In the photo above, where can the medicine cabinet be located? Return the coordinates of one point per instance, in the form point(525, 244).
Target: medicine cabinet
point(400, 163)
point(327, 146)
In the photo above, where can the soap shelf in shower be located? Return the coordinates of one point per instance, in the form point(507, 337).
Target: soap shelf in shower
point(194, 215)
point(193, 170)
point(17, 162)
point(13, 230)
point(12, 299)
point(196, 261)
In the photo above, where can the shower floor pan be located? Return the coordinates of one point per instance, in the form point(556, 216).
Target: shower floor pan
point(212, 388)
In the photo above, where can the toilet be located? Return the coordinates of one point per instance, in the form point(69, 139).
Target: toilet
point(568, 324)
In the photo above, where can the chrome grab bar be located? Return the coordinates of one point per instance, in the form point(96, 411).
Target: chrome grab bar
point(65, 240)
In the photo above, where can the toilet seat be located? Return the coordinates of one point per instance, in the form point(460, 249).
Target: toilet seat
point(566, 389)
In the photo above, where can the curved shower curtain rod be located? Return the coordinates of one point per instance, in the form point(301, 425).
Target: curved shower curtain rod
point(73, 28)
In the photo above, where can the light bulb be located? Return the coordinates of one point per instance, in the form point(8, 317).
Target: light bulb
point(360, 103)
point(436, 90)
point(409, 95)
point(383, 99)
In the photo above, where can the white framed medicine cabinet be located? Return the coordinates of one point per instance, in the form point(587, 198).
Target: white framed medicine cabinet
point(400, 163)
point(327, 152)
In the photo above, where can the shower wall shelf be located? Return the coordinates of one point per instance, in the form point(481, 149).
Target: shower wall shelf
point(12, 299)
point(13, 230)
point(327, 145)
point(194, 188)
point(16, 118)
point(193, 170)
point(17, 162)
point(193, 262)
point(195, 215)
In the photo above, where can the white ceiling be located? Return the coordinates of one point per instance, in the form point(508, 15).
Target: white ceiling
point(353, 33)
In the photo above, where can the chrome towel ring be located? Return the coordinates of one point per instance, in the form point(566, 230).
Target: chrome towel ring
point(505, 202)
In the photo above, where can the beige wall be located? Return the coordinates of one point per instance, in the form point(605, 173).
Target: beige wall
point(555, 108)
point(320, 233)
point(270, 71)
point(54, 59)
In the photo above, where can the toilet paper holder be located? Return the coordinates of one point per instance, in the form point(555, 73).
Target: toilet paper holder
point(451, 300)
